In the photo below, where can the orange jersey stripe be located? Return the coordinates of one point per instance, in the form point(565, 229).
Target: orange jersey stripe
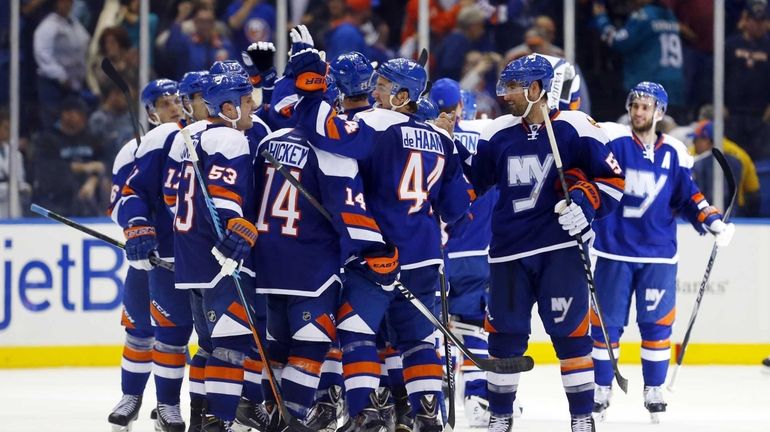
point(236, 309)
point(594, 319)
point(422, 371)
point(327, 324)
point(136, 356)
point(668, 319)
point(127, 190)
point(331, 128)
point(197, 373)
point(361, 368)
point(170, 200)
point(168, 359)
point(344, 311)
point(220, 192)
point(576, 363)
point(334, 354)
point(359, 220)
point(599, 344)
point(125, 321)
point(698, 197)
point(488, 326)
point(253, 365)
point(661, 344)
point(224, 373)
point(617, 183)
point(310, 366)
point(159, 318)
point(582, 329)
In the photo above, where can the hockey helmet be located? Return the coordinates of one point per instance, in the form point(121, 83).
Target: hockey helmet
point(353, 73)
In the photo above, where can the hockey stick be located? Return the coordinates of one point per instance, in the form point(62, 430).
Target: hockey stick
point(42, 211)
point(509, 365)
point(450, 374)
point(293, 423)
point(118, 80)
point(622, 382)
point(733, 186)
point(423, 59)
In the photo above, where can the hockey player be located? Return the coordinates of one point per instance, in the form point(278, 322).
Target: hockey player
point(225, 164)
point(466, 263)
point(410, 170)
point(302, 304)
point(532, 252)
point(642, 262)
point(147, 226)
point(136, 363)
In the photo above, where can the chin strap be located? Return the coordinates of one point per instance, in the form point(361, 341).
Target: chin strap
point(531, 103)
point(153, 118)
point(229, 120)
point(393, 106)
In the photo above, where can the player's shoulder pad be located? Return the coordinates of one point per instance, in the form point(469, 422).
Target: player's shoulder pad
point(334, 165)
point(477, 125)
point(583, 124)
point(615, 130)
point(498, 124)
point(125, 156)
point(438, 129)
point(380, 119)
point(685, 159)
point(258, 122)
point(275, 134)
point(228, 142)
point(156, 138)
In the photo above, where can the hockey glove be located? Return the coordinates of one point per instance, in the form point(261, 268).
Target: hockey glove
point(258, 61)
point(380, 266)
point(235, 245)
point(309, 70)
point(140, 244)
point(300, 40)
point(712, 222)
point(577, 216)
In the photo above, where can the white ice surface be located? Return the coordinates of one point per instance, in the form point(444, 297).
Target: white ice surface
point(707, 399)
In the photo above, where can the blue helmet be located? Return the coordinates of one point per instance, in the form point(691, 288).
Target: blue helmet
point(353, 74)
point(469, 105)
point(224, 88)
point(651, 90)
point(193, 82)
point(228, 67)
point(524, 71)
point(445, 93)
point(155, 89)
point(405, 75)
point(426, 110)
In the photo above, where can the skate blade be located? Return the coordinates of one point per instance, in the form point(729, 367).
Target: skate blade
point(237, 427)
point(119, 428)
point(600, 416)
point(157, 425)
point(655, 418)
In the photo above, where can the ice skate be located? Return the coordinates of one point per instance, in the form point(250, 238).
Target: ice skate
point(476, 411)
point(404, 420)
point(169, 419)
point(386, 407)
point(125, 412)
point(197, 409)
point(213, 424)
point(766, 365)
point(323, 417)
point(518, 408)
point(500, 423)
point(368, 420)
point(251, 415)
point(653, 401)
point(602, 396)
point(583, 423)
point(428, 418)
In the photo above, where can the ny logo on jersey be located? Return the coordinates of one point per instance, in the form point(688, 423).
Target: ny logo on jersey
point(560, 304)
point(653, 295)
point(524, 171)
point(532, 132)
point(642, 184)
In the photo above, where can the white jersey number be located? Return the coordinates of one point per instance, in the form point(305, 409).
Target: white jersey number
point(670, 50)
point(413, 185)
point(183, 224)
point(285, 205)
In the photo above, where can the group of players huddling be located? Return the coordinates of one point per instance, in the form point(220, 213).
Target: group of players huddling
point(395, 166)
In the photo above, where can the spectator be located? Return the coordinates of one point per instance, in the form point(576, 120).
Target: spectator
point(60, 44)
point(442, 19)
point(5, 168)
point(467, 36)
point(538, 39)
point(479, 77)
point(128, 18)
point(69, 175)
point(747, 68)
point(345, 35)
point(651, 49)
point(748, 184)
point(115, 45)
point(703, 169)
point(111, 123)
point(250, 21)
point(201, 46)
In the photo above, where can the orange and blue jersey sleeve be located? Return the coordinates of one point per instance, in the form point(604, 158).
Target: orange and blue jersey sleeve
point(121, 169)
point(604, 180)
point(688, 201)
point(228, 174)
point(329, 132)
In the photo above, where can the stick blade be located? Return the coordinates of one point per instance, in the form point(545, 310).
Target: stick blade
point(507, 365)
point(622, 382)
point(423, 59)
point(40, 210)
point(729, 177)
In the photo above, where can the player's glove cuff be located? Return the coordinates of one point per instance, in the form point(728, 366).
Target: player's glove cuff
point(243, 228)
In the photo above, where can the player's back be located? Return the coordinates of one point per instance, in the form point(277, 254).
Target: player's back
point(121, 169)
point(225, 163)
point(174, 162)
point(412, 171)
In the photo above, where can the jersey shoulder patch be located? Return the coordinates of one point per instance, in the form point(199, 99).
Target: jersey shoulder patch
point(226, 141)
point(615, 130)
point(477, 125)
point(381, 119)
point(583, 124)
point(156, 138)
point(498, 124)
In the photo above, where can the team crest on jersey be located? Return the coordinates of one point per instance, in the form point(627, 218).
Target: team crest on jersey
point(642, 184)
point(212, 316)
point(528, 171)
point(561, 305)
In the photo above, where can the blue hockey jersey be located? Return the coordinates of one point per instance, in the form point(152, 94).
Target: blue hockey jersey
point(516, 157)
point(475, 237)
point(658, 188)
point(292, 231)
point(121, 169)
point(142, 200)
point(226, 164)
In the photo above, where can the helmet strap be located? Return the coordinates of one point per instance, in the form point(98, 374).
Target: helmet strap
point(232, 122)
point(530, 103)
point(188, 113)
point(153, 118)
point(393, 106)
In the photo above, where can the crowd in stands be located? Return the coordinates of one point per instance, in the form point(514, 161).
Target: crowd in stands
point(74, 120)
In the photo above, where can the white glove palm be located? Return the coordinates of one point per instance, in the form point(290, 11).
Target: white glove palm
point(723, 233)
point(571, 217)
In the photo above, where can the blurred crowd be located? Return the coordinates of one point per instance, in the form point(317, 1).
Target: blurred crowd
point(74, 120)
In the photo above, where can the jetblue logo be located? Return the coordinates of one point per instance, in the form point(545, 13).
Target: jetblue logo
point(653, 296)
point(560, 304)
point(526, 171)
point(642, 184)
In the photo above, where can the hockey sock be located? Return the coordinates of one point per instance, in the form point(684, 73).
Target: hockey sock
point(224, 375)
point(422, 371)
point(136, 364)
point(301, 376)
point(252, 377)
point(501, 388)
point(577, 372)
point(197, 376)
point(475, 338)
point(395, 372)
point(361, 368)
point(603, 371)
point(279, 355)
point(331, 374)
point(169, 356)
point(656, 352)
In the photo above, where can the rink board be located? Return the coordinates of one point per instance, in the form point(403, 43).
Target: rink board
point(61, 290)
